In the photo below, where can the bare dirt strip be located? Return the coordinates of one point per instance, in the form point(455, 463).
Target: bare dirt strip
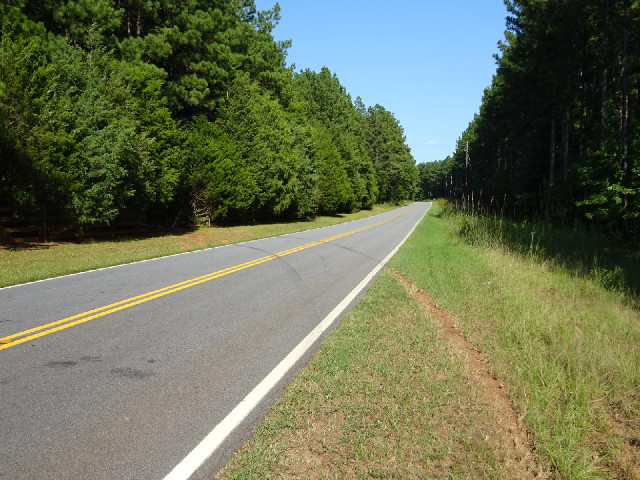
point(503, 418)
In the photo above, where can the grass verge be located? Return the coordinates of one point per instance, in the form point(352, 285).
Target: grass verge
point(30, 263)
point(568, 349)
point(392, 394)
point(585, 252)
point(386, 398)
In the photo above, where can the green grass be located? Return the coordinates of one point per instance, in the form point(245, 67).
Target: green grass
point(574, 248)
point(29, 263)
point(389, 396)
point(568, 348)
point(385, 398)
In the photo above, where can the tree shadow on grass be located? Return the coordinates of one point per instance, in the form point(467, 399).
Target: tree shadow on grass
point(584, 252)
point(97, 235)
point(581, 251)
point(129, 232)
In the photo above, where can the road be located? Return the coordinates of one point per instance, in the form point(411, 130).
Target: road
point(137, 364)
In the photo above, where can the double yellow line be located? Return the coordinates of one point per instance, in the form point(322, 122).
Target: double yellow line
point(49, 328)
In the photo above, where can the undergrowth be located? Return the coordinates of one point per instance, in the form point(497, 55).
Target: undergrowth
point(573, 247)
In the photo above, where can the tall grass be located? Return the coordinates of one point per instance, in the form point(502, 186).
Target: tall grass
point(575, 248)
point(568, 349)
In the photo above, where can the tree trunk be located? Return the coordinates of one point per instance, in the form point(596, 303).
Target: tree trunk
point(624, 124)
point(565, 144)
point(466, 169)
point(605, 69)
point(583, 110)
point(44, 222)
point(552, 154)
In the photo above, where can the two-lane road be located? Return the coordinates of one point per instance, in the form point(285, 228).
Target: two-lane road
point(122, 372)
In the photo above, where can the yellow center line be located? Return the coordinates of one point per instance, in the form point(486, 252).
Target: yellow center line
point(49, 328)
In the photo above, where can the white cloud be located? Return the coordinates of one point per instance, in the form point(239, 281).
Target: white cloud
point(433, 142)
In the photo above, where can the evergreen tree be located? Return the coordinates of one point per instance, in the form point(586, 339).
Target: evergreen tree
point(392, 159)
point(557, 132)
point(263, 132)
point(113, 110)
point(220, 184)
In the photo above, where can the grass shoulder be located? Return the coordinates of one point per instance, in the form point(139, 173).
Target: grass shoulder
point(387, 397)
point(568, 349)
point(30, 263)
point(392, 393)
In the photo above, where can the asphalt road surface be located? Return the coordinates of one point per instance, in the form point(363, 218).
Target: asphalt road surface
point(122, 372)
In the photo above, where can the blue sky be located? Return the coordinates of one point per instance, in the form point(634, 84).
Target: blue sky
point(426, 61)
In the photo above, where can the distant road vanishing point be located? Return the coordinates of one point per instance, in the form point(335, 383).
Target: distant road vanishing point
point(161, 368)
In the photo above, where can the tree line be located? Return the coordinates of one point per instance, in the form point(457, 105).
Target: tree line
point(111, 109)
point(557, 134)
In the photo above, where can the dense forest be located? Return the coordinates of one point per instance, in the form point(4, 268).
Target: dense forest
point(112, 110)
point(558, 134)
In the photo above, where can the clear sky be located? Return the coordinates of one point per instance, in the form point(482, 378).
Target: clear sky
point(427, 61)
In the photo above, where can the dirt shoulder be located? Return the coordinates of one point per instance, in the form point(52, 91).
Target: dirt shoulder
point(502, 418)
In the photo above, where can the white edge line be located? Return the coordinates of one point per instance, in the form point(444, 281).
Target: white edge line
point(186, 253)
point(214, 439)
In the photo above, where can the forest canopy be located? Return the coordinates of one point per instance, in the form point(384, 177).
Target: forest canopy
point(558, 133)
point(115, 109)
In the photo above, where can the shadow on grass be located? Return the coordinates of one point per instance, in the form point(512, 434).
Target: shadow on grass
point(579, 250)
point(126, 232)
point(129, 233)
point(97, 235)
